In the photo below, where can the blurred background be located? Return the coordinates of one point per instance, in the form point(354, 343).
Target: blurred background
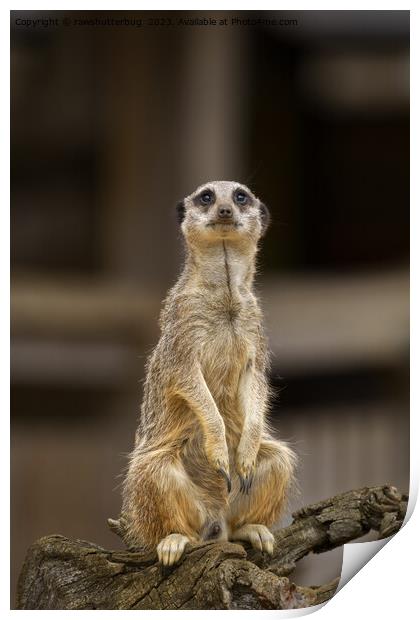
point(110, 126)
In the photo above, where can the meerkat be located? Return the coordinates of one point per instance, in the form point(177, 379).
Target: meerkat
point(205, 464)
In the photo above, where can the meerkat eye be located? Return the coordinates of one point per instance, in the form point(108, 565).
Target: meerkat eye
point(206, 198)
point(241, 198)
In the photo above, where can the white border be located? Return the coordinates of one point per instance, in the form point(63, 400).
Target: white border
point(382, 588)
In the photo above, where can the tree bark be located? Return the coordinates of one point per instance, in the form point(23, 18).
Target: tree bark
point(59, 573)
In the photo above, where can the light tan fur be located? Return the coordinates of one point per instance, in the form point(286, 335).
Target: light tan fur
point(202, 419)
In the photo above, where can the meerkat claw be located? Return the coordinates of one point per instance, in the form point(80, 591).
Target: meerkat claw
point(227, 478)
point(245, 483)
point(249, 483)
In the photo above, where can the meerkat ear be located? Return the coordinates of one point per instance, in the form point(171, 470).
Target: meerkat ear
point(265, 218)
point(180, 210)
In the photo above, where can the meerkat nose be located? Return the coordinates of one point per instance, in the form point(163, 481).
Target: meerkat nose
point(225, 211)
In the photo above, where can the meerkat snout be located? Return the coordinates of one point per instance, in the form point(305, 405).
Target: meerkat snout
point(224, 212)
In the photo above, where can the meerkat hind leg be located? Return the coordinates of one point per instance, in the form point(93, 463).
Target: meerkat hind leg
point(252, 513)
point(257, 534)
point(171, 548)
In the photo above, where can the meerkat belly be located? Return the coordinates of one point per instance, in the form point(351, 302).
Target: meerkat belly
point(225, 356)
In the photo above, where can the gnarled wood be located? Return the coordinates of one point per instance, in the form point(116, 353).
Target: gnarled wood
point(59, 573)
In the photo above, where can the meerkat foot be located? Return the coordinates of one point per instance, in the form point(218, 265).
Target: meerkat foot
point(258, 535)
point(171, 548)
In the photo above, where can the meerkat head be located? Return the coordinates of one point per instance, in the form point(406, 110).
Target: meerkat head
point(222, 210)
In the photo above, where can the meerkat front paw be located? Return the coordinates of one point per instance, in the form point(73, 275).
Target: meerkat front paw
point(258, 535)
point(245, 466)
point(219, 459)
point(171, 548)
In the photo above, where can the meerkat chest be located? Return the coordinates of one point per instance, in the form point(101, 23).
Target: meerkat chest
point(226, 347)
point(228, 343)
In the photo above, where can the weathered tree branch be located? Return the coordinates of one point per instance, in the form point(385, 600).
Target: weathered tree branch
point(62, 574)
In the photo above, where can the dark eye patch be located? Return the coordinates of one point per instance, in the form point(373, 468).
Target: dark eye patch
point(205, 198)
point(241, 198)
